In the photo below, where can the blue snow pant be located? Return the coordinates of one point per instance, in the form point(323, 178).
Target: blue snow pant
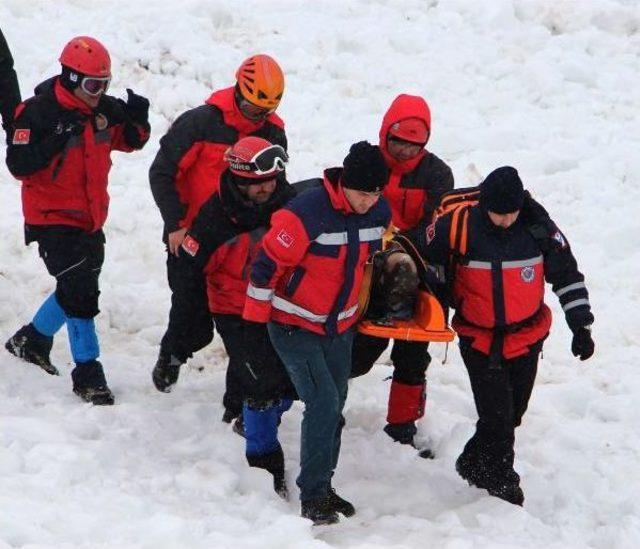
point(319, 367)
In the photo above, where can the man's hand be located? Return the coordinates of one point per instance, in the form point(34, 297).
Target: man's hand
point(175, 240)
point(582, 345)
point(137, 107)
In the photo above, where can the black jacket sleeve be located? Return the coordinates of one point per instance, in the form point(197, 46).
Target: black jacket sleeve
point(176, 143)
point(440, 181)
point(36, 139)
point(561, 270)
point(9, 88)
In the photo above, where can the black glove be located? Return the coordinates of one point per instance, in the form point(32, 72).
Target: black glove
point(582, 344)
point(137, 107)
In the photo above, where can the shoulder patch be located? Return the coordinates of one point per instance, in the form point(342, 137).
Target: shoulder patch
point(190, 245)
point(559, 238)
point(21, 136)
point(285, 239)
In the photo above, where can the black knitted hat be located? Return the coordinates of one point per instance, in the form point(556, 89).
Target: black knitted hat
point(502, 192)
point(365, 168)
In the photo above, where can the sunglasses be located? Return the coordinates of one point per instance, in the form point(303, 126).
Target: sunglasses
point(94, 85)
point(268, 161)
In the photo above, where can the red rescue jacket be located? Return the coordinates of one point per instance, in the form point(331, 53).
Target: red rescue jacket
point(310, 268)
point(415, 185)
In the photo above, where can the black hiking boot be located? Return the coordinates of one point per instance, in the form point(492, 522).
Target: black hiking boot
point(280, 486)
point(340, 505)
point(90, 384)
point(165, 372)
point(319, 511)
point(229, 415)
point(507, 489)
point(32, 346)
point(402, 432)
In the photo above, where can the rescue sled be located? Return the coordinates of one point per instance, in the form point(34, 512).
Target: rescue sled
point(396, 301)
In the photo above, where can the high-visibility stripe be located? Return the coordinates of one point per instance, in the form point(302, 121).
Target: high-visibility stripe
point(332, 239)
point(373, 233)
point(576, 286)
point(340, 239)
point(575, 303)
point(506, 264)
point(522, 263)
point(291, 308)
point(261, 294)
point(479, 264)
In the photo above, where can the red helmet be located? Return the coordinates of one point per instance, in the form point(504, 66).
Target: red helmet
point(87, 56)
point(261, 81)
point(256, 158)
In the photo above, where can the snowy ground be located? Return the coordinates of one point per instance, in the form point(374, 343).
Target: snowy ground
point(549, 86)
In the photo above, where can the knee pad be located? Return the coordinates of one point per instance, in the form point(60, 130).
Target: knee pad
point(83, 339)
point(50, 317)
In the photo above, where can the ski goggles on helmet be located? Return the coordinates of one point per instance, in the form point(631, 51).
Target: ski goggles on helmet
point(95, 85)
point(268, 161)
point(253, 111)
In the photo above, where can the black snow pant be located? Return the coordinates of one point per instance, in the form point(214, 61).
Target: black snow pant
point(501, 396)
point(190, 325)
point(273, 382)
point(74, 257)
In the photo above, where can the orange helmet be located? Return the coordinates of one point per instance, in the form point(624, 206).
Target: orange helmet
point(87, 56)
point(261, 81)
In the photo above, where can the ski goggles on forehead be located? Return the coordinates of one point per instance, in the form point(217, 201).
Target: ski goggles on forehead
point(95, 85)
point(268, 161)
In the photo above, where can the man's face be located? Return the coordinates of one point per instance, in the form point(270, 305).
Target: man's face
point(504, 220)
point(259, 193)
point(402, 150)
point(91, 100)
point(361, 201)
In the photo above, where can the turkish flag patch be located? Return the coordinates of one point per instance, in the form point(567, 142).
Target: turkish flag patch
point(190, 245)
point(285, 238)
point(21, 136)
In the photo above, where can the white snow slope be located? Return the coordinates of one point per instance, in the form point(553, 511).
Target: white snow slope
point(549, 86)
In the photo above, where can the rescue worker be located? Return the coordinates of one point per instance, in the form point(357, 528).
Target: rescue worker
point(60, 149)
point(305, 283)
point(9, 88)
point(220, 245)
point(185, 172)
point(497, 290)
point(417, 180)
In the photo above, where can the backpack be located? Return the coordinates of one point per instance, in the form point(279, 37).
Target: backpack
point(458, 203)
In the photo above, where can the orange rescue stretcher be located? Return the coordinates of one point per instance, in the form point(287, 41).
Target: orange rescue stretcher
point(428, 322)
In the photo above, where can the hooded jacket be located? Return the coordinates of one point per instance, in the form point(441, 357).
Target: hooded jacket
point(64, 174)
point(310, 268)
point(415, 185)
point(188, 166)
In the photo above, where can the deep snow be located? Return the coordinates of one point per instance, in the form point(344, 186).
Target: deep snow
point(550, 87)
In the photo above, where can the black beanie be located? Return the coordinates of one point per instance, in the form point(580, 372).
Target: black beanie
point(365, 168)
point(502, 192)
